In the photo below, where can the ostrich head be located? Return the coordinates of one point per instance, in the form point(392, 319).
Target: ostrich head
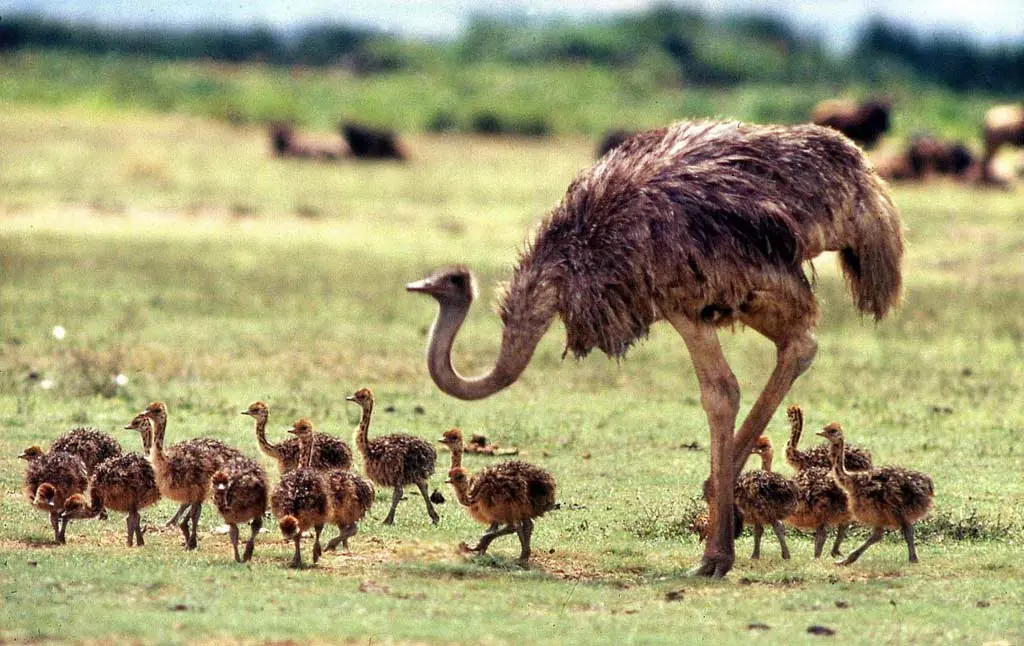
point(301, 427)
point(31, 453)
point(451, 438)
point(45, 494)
point(832, 432)
point(76, 506)
point(453, 286)
point(457, 476)
point(257, 410)
point(363, 397)
point(139, 423)
point(219, 481)
point(156, 411)
point(762, 446)
point(289, 526)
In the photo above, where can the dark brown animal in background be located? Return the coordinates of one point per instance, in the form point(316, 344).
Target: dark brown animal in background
point(864, 122)
point(880, 497)
point(301, 500)
point(394, 460)
point(240, 491)
point(286, 142)
point(1004, 124)
point(329, 452)
point(91, 445)
point(705, 224)
point(765, 497)
point(372, 143)
point(930, 156)
point(857, 459)
point(612, 140)
point(125, 483)
point(510, 493)
point(50, 480)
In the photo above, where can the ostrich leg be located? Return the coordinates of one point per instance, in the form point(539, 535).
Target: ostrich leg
point(720, 398)
point(789, 323)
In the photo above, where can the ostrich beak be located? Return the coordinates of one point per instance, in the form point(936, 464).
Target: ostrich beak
point(821, 434)
point(350, 398)
point(421, 286)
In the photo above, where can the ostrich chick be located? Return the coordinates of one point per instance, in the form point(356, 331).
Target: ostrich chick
point(394, 460)
point(91, 445)
point(510, 493)
point(50, 479)
point(857, 459)
point(301, 499)
point(765, 497)
point(329, 452)
point(882, 497)
point(351, 498)
point(183, 471)
point(240, 493)
point(126, 483)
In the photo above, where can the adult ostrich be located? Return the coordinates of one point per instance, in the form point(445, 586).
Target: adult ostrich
point(703, 224)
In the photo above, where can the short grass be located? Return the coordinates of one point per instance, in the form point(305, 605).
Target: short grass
point(174, 251)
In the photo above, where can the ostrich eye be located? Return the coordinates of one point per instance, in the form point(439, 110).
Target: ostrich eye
point(457, 280)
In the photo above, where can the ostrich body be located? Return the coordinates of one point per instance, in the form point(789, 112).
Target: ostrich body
point(125, 483)
point(880, 497)
point(351, 497)
point(703, 224)
point(240, 490)
point(857, 459)
point(394, 460)
point(92, 445)
point(328, 452)
point(50, 479)
point(183, 470)
point(765, 498)
point(301, 499)
point(510, 493)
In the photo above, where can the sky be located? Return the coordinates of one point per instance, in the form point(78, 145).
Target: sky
point(985, 21)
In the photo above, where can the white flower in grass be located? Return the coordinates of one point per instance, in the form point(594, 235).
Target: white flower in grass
point(121, 379)
point(59, 332)
point(46, 384)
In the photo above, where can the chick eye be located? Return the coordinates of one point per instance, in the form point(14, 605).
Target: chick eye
point(458, 281)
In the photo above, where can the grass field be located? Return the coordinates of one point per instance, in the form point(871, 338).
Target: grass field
point(173, 250)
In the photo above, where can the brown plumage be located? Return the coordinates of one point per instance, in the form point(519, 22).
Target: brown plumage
point(820, 504)
point(510, 493)
point(394, 460)
point(91, 445)
point(351, 498)
point(765, 498)
point(880, 497)
point(240, 490)
point(50, 479)
point(125, 483)
point(301, 499)
point(704, 224)
point(329, 452)
point(857, 459)
point(183, 470)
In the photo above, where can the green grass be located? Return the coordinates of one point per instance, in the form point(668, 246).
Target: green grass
point(173, 250)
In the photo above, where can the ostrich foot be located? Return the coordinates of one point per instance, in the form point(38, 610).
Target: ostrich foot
point(714, 568)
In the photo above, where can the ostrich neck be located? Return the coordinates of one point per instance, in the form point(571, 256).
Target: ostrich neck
point(462, 492)
point(517, 346)
point(837, 452)
point(363, 431)
point(306, 450)
point(456, 455)
point(159, 426)
point(766, 461)
point(261, 438)
point(146, 433)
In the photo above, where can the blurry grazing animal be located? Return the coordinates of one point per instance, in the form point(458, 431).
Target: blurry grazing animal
point(285, 142)
point(929, 155)
point(372, 143)
point(1004, 124)
point(865, 123)
point(705, 224)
